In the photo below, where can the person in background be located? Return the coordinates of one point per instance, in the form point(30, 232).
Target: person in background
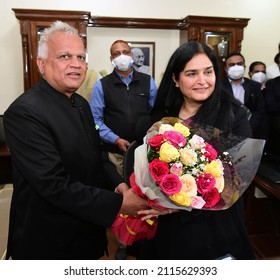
point(117, 102)
point(273, 70)
point(138, 61)
point(60, 208)
point(272, 106)
point(247, 91)
point(86, 87)
point(190, 89)
point(272, 97)
point(257, 72)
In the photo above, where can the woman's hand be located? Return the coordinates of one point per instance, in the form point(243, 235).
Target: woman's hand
point(151, 213)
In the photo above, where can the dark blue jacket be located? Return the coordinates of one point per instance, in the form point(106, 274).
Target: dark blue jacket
point(125, 104)
point(253, 100)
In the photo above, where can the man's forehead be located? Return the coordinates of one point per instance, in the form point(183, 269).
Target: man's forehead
point(235, 58)
point(120, 46)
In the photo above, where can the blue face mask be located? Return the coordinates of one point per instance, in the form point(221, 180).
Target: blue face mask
point(122, 62)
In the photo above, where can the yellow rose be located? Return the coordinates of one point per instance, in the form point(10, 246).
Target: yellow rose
point(188, 156)
point(181, 199)
point(168, 153)
point(182, 129)
point(215, 168)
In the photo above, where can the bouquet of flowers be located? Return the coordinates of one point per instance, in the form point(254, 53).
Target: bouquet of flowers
point(186, 168)
point(183, 166)
point(192, 166)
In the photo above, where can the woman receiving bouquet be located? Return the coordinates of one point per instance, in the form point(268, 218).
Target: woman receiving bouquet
point(190, 90)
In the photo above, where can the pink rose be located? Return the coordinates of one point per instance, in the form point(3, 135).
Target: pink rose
point(176, 138)
point(156, 141)
point(197, 202)
point(170, 184)
point(205, 182)
point(158, 169)
point(210, 152)
point(211, 198)
point(177, 168)
point(197, 142)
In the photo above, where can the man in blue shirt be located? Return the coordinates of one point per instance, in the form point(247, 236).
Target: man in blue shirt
point(120, 98)
point(118, 101)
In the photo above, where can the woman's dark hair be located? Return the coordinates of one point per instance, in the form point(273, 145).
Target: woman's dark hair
point(170, 99)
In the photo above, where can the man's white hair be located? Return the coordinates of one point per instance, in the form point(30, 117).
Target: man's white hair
point(57, 26)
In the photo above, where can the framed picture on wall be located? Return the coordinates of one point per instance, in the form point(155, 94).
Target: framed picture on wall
point(143, 54)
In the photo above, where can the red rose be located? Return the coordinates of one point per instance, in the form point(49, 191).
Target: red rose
point(210, 152)
point(158, 169)
point(170, 184)
point(205, 182)
point(177, 139)
point(211, 198)
point(156, 141)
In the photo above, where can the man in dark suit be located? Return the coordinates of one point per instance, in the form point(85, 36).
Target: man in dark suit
point(247, 91)
point(272, 97)
point(59, 209)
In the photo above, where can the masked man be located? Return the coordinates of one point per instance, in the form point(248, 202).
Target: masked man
point(257, 72)
point(247, 91)
point(117, 102)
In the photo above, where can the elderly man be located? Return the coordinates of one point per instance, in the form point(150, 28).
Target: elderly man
point(59, 209)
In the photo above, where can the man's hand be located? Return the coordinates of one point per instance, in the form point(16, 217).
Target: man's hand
point(121, 188)
point(132, 203)
point(122, 144)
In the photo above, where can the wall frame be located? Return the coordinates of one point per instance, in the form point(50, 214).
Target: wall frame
point(143, 54)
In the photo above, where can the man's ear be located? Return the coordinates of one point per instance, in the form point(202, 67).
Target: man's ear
point(41, 64)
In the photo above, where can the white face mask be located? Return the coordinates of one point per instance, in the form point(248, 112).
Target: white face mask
point(236, 72)
point(259, 77)
point(122, 62)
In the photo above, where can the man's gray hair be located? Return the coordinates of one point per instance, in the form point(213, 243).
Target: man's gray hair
point(47, 33)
